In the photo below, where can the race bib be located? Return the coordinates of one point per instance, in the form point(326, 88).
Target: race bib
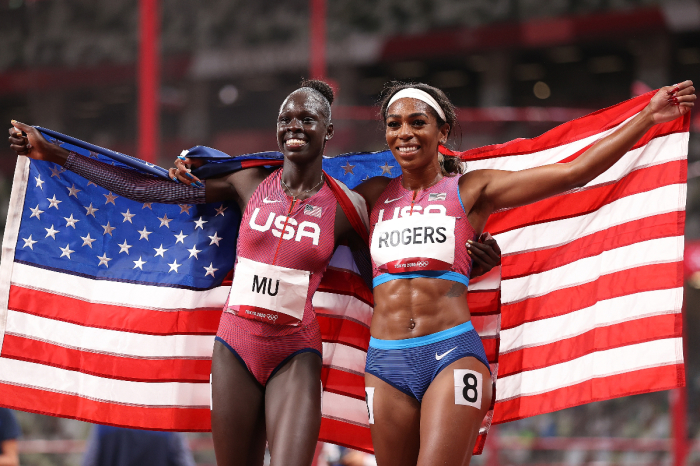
point(268, 293)
point(414, 243)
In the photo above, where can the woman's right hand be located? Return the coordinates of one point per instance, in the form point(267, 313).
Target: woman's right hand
point(34, 145)
point(181, 172)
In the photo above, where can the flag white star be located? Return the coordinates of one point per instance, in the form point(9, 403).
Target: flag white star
point(73, 191)
point(180, 238)
point(50, 232)
point(147, 204)
point(165, 221)
point(87, 241)
point(29, 242)
point(90, 210)
point(66, 251)
point(220, 210)
point(174, 266)
point(56, 171)
point(70, 221)
point(215, 239)
point(127, 216)
point(108, 229)
point(110, 198)
point(348, 168)
point(210, 270)
point(124, 247)
point(139, 263)
point(91, 183)
point(39, 182)
point(200, 223)
point(104, 260)
point(36, 212)
point(144, 233)
point(159, 251)
point(53, 202)
point(185, 208)
point(386, 168)
point(194, 251)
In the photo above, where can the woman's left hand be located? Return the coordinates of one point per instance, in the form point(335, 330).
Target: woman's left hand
point(672, 101)
point(486, 254)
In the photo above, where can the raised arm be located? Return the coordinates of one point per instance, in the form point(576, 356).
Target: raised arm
point(125, 182)
point(501, 189)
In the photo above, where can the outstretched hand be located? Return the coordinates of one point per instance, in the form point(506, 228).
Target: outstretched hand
point(485, 254)
point(672, 101)
point(34, 145)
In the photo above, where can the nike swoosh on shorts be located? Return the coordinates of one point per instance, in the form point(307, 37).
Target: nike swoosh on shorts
point(437, 358)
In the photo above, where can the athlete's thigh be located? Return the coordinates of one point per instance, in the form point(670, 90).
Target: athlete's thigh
point(293, 410)
point(452, 410)
point(238, 412)
point(394, 423)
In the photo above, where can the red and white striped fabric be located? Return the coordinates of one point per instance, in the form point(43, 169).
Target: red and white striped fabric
point(592, 279)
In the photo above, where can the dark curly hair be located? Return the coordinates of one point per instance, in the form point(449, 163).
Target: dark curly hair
point(450, 165)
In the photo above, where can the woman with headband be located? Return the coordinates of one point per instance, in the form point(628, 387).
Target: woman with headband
point(266, 365)
point(427, 377)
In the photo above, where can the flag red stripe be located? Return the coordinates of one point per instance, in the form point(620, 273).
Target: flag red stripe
point(559, 302)
point(483, 303)
point(491, 348)
point(106, 365)
point(575, 130)
point(345, 331)
point(628, 383)
point(111, 317)
point(347, 283)
point(648, 228)
point(343, 383)
point(70, 406)
point(588, 200)
point(598, 339)
point(346, 434)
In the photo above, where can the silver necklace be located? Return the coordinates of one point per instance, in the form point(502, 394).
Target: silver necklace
point(303, 192)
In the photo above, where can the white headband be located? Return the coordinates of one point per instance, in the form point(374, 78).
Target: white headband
point(414, 93)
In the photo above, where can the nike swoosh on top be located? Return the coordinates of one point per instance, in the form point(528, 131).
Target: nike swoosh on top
point(437, 358)
point(389, 201)
point(269, 201)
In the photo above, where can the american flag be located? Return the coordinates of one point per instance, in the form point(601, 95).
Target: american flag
point(588, 308)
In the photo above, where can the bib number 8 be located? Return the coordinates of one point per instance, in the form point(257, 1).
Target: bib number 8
point(468, 387)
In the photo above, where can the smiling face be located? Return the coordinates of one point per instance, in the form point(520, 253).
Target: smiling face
point(303, 127)
point(413, 134)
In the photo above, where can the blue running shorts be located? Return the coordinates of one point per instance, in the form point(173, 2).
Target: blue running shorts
point(412, 364)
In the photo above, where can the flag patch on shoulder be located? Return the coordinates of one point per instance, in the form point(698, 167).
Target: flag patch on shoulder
point(312, 210)
point(437, 197)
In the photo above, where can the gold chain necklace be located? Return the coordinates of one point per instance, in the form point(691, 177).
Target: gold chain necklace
point(303, 192)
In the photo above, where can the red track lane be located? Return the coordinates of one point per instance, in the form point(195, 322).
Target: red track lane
point(127, 319)
point(599, 339)
point(629, 383)
point(645, 229)
point(563, 301)
point(39, 401)
point(105, 365)
point(580, 203)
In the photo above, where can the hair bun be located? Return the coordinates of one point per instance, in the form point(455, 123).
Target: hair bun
point(320, 86)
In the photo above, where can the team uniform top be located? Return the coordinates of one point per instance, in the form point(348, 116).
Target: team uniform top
point(423, 236)
point(284, 247)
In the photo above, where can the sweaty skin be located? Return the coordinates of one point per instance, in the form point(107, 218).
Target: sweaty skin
point(438, 430)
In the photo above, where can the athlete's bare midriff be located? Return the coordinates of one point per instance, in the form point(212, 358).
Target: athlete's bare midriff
point(414, 307)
